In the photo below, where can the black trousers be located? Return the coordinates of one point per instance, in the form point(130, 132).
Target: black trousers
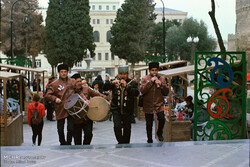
point(87, 127)
point(70, 128)
point(122, 126)
point(37, 131)
point(50, 109)
point(149, 124)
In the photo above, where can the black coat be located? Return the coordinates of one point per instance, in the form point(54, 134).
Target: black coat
point(100, 83)
point(130, 92)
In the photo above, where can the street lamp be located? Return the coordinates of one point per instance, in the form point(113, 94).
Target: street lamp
point(193, 41)
point(11, 24)
point(163, 21)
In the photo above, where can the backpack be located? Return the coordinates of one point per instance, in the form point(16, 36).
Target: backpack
point(35, 116)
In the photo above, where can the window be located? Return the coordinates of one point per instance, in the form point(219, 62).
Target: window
point(114, 8)
point(110, 71)
point(98, 21)
point(93, 21)
point(79, 64)
point(180, 20)
point(107, 21)
point(100, 7)
point(99, 56)
point(108, 34)
point(112, 56)
point(93, 7)
point(107, 7)
point(111, 21)
point(106, 56)
point(96, 36)
point(38, 62)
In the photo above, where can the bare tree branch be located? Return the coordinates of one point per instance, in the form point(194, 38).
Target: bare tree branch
point(216, 28)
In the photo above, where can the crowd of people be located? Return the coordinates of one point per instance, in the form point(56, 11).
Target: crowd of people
point(119, 92)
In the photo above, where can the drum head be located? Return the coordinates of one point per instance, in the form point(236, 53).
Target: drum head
point(71, 101)
point(98, 108)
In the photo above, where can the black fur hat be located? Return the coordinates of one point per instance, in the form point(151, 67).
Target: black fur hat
point(153, 65)
point(62, 67)
point(76, 76)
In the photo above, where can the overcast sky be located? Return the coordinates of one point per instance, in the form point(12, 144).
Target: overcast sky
point(198, 9)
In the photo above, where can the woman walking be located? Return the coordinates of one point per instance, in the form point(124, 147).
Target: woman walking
point(36, 112)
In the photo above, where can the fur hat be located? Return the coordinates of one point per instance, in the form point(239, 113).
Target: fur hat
point(62, 67)
point(189, 98)
point(76, 76)
point(153, 65)
point(123, 69)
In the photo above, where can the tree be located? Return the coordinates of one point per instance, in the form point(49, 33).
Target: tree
point(27, 36)
point(131, 32)
point(216, 28)
point(155, 47)
point(176, 39)
point(68, 32)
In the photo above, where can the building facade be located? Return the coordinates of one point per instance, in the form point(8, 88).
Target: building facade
point(240, 41)
point(103, 14)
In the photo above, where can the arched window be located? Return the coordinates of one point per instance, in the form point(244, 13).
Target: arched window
point(96, 36)
point(108, 35)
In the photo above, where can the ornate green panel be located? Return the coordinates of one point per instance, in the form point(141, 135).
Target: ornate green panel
point(220, 96)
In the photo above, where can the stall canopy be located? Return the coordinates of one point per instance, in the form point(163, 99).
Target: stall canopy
point(161, 65)
point(20, 68)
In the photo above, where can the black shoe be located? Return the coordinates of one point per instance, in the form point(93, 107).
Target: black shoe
point(160, 138)
point(150, 141)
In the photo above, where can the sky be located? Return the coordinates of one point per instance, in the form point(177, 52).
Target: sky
point(198, 9)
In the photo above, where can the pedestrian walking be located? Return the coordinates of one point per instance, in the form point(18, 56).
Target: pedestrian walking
point(36, 112)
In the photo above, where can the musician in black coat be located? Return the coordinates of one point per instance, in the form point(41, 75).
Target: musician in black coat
point(123, 92)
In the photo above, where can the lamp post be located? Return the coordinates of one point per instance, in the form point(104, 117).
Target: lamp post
point(193, 41)
point(11, 24)
point(163, 29)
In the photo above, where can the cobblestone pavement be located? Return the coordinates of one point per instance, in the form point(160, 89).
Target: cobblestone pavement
point(105, 152)
point(102, 133)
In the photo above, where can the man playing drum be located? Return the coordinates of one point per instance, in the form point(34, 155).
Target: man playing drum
point(59, 91)
point(84, 124)
point(123, 92)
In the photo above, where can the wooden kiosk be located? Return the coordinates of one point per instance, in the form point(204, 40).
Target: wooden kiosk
point(12, 130)
point(20, 68)
point(137, 74)
point(176, 130)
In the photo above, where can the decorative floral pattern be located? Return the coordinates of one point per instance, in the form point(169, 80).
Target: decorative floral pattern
point(220, 87)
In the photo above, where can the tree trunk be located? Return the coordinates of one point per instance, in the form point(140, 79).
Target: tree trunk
point(33, 65)
point(217, 30)
point(53, 70)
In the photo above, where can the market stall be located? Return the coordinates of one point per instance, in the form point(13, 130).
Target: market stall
point(20, 69)
point(137, 72)
point(175, 130)
point(11, 125)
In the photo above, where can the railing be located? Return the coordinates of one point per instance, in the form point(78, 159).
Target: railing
point(21, 61)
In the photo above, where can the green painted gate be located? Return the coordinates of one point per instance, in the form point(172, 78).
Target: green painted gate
point(220, 96)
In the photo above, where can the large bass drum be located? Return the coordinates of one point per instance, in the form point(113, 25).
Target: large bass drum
point(98, 109)
point(76, 106)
